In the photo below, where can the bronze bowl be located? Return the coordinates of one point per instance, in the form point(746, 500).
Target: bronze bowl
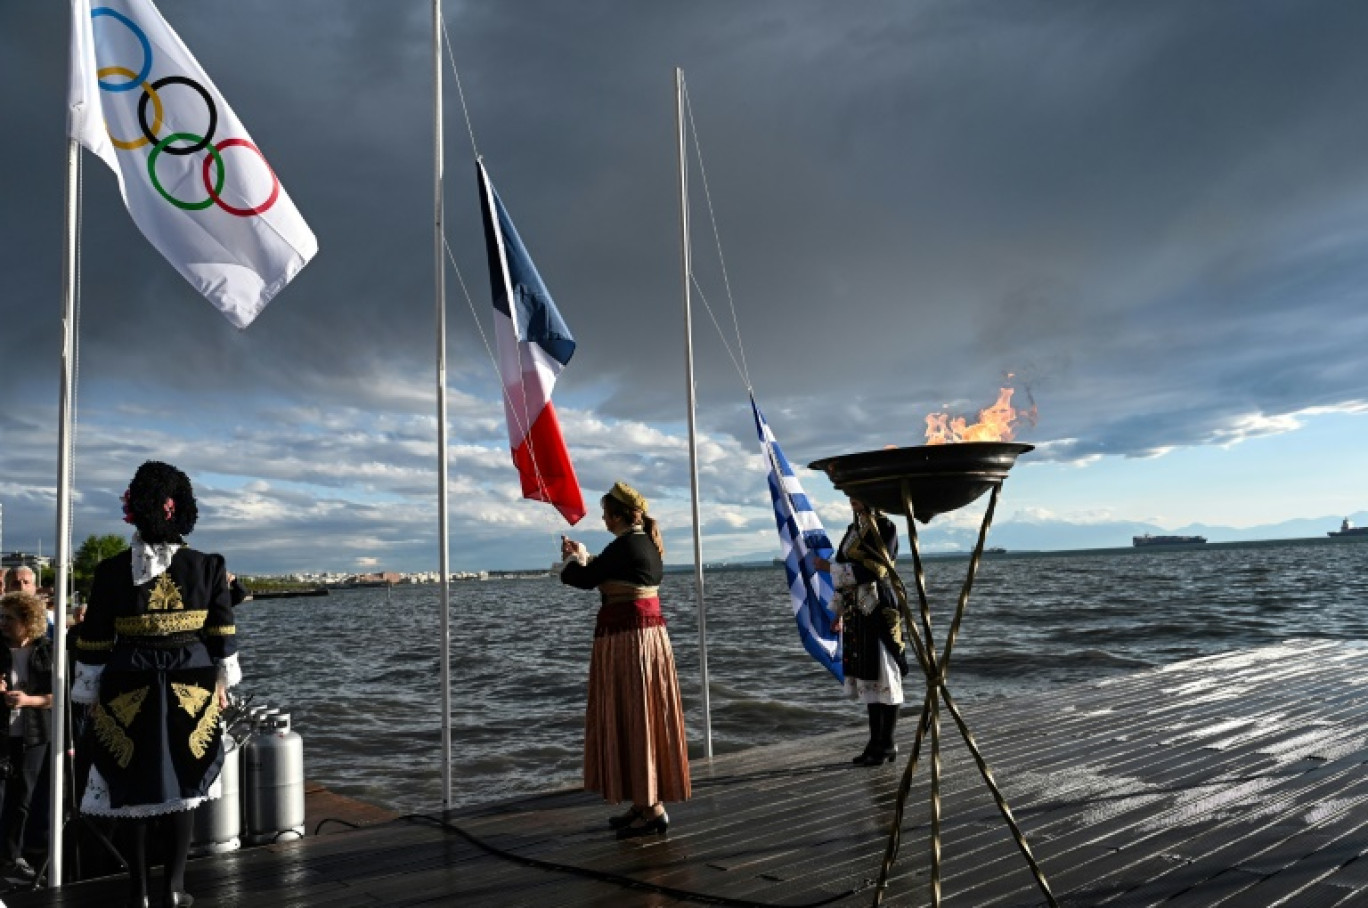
point(939, 478)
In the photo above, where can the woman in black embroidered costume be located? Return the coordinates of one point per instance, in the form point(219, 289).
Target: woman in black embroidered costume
point(634, 744)
point(25, 704)
point(874, 656)
point(155, 654)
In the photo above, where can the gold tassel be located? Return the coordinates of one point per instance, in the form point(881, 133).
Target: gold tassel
point(109, 734)
point(203, 735)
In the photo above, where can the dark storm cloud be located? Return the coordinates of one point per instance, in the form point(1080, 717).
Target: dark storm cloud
point(1153, 214)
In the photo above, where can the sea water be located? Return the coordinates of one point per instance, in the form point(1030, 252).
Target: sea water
point(359, 670)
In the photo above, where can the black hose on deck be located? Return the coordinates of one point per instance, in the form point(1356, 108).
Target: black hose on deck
point(624, 881)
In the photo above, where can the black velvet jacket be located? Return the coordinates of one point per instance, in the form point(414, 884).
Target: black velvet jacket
point(883, 627)
point(630, 558)
point(191, 600)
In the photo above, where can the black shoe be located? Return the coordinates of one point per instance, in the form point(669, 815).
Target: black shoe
point(626, 819)
point(877, 756)
point(867, 757)
point(18, 870)
point(179, 900)
point(138, 901)
point(653, 826)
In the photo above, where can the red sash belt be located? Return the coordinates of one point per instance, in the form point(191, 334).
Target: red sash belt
point(628, 615)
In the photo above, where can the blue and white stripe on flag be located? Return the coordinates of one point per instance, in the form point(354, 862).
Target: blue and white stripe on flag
point(802, 537)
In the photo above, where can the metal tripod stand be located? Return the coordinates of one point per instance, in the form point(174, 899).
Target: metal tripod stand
point(936, 668)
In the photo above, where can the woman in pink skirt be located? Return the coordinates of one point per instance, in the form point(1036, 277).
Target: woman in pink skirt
point(634, 745)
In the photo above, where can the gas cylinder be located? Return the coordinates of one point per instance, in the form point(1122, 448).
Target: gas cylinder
point(273, 770)
point(242, 729)
point(218, 823)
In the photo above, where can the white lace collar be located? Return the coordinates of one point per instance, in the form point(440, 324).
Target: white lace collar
point(150, 560)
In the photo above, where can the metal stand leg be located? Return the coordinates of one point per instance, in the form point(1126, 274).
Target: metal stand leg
point(936, 671)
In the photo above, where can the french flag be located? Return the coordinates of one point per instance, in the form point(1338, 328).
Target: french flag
point(534, 346)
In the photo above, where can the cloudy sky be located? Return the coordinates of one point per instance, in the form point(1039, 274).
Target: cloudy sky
point(1154, 215)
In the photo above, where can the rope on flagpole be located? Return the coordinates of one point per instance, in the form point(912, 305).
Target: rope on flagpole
point(740, 369)
point(738, 357)
point(717, 239)
point(460, 93)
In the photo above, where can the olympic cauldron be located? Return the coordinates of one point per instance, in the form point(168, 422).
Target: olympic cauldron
point(920, 482)
point(936, 478)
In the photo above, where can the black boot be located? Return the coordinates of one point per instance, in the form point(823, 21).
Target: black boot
point(137, 864)
point(890, 721)
point(180, 826)
point(883, 749)
point(871, 756)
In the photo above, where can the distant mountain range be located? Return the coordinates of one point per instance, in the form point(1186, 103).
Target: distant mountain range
point(1049, 535)
point(1060, 535)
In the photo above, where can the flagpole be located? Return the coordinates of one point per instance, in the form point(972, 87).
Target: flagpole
point(439, 276)
point(58, 736)
point(693, 434)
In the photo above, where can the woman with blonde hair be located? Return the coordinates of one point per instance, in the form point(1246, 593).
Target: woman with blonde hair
point(634, 744)
point(25, 699)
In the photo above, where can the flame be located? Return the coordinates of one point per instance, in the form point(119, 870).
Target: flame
point(996, 423)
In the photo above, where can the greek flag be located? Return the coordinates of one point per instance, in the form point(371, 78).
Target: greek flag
point(802, 537)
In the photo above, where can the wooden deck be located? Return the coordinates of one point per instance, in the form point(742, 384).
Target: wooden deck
point(1235, 780)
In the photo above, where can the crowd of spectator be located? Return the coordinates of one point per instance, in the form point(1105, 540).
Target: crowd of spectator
point(26, 624)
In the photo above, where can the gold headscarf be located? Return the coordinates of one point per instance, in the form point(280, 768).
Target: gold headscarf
point(867, 547)
point(628, 496)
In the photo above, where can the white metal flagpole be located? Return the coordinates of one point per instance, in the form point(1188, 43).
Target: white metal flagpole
point(693, 434)
point(58, 737)
point(439, 276)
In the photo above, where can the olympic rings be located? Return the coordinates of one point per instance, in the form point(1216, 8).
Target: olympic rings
point(208, 102)
point(214, 192)
point(138, 33)
point(152, 172)
point(213, 182)
point(130, 144)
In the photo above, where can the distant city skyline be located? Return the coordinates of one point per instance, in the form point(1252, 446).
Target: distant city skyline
point(1014, 534)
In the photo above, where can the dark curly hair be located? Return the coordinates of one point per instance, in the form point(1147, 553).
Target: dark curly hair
point(152, 485)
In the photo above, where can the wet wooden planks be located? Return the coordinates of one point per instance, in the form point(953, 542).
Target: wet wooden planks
point(1239, 779)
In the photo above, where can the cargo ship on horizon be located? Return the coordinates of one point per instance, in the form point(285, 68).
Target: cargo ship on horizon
point(1148, 539)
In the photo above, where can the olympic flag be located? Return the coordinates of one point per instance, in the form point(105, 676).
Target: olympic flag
point(534, 346)
point(192, 179)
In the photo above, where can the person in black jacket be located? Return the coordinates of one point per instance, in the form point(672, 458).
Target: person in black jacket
point(155, 653)
point(25, 704)
point(874, 651)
